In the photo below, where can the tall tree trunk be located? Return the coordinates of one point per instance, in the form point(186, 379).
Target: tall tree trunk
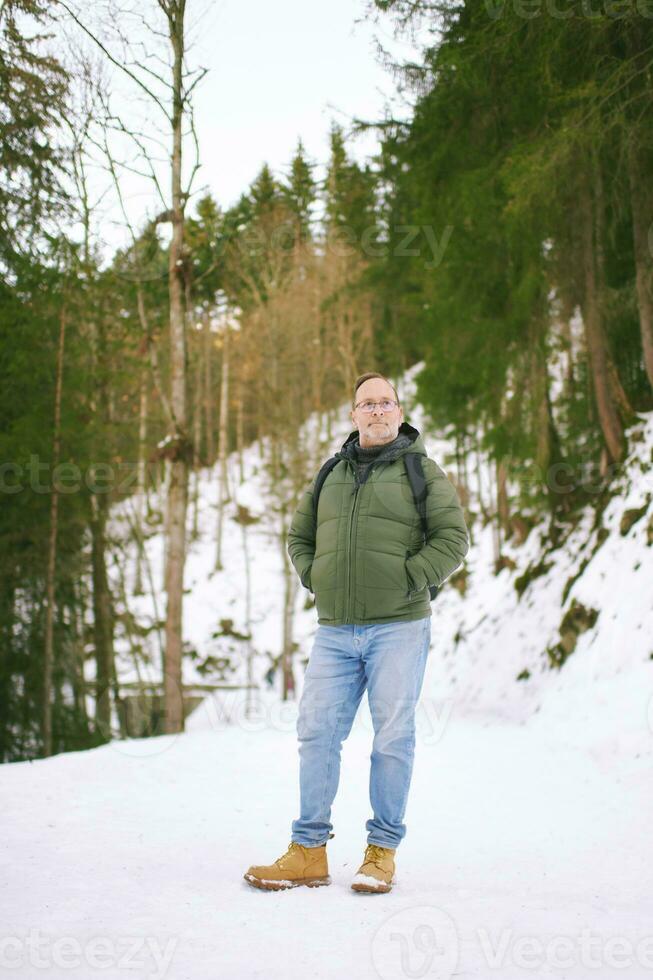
point(497, 542)
point(164, 488)
point(244, 525)
point(240, 426)
point(609, 419)
point(467, 449)
point(640, 197)
point(479, 470)
point(208, 388)
point(149, 345)
point(289, 601)
point(99, 504)
point(503, 506)
point(78, 681)
point(102, 615)
point(177, 507)
point(548, 448)
point(223, 489)
point(618, 392)
point(197, 438)
point(48, 653)
point(178, 487)
point(141, 484)
point(316, 359)
point(101, 404)
point(567, 311)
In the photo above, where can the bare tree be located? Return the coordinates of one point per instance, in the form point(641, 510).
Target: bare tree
point(82, 109)
point(152, 41)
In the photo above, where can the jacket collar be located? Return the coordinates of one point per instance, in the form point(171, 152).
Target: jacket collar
point(408, 440)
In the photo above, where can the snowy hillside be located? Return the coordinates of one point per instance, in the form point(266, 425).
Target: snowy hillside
point(528, 825)
point(483, 641)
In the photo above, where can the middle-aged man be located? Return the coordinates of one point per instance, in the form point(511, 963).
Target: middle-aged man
point(370, 569)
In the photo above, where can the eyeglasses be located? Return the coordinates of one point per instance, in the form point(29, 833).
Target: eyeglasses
point(368, 406)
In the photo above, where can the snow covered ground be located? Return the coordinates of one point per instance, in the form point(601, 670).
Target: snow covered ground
point(528, 850)
point(525, 856)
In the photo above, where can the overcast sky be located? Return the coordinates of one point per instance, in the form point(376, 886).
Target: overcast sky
point(277, 71)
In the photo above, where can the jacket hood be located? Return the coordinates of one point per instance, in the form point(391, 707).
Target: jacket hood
point(408, 440)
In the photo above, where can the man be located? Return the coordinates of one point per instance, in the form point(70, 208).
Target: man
point(370, 569)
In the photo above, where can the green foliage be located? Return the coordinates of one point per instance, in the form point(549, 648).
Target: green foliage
point(458, 244)
point(33, 86)
point(512, 116)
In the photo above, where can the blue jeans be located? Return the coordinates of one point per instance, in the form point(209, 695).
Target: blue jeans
point(389, 660)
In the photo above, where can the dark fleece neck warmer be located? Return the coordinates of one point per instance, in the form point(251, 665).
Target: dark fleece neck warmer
point(364, 456)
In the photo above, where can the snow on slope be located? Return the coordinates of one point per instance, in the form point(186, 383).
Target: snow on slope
point(482, 641)
point(528, 851)
point(606, 684)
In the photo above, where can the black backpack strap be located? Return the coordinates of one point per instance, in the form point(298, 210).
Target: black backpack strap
point(413, 463)
point(324, 471)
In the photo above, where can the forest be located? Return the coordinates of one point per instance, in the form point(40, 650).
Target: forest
point(502, 236)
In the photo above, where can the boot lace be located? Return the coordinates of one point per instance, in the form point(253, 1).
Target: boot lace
point(285, 857)
point(374, 853)
point(293, 846)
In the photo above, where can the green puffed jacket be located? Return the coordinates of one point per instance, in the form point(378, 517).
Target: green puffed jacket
point(367, 562)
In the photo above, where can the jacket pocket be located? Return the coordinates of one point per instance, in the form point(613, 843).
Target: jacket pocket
point(410, 586)
point(411, 591)
point(306, 578)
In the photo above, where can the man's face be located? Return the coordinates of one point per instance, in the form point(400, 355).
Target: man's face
point(376, 427)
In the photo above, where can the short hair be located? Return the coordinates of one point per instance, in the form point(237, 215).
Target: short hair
point(366, 377)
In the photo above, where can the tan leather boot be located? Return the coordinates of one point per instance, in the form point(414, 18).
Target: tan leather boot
point(376, 873)
point(298, 866)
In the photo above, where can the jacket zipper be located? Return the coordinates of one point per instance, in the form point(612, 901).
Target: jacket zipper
point(350, 560)
point(350, 563)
